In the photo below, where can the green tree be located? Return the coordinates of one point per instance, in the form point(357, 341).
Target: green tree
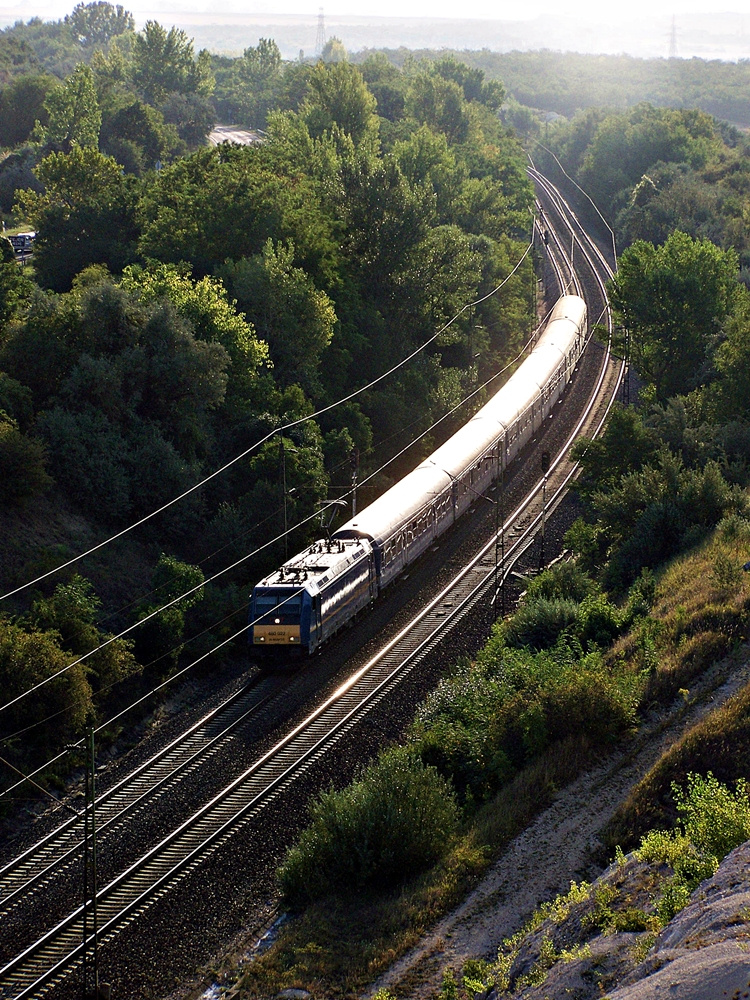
point(334, 51)
point(256, 83)
point(15, 288)
point(22, 464)
point(442, 274)
point(338, 95)
point(426, 158)
point(96, 24)
point(437, 102)
point(86, 215)
point(387, 85)
point(164, 62)
point(137, 137)
point(224, 203)
point(72, 611)
point(17, 173)
point(295, 318)
point(212, 315)
point(730, 394)
point(472, 82)
point(74, 114)
point(192, 115)
point(185, 378)
point(158, 642)
point(626, 446)
point(26, 658)
point(261, 62)
point(625, 146)
point(22, 104)
point(385, 219)
point(673, 299)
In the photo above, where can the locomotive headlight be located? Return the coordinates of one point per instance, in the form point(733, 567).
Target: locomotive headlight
point(277, 621)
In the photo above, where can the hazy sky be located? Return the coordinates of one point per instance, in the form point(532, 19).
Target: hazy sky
point(505, 10)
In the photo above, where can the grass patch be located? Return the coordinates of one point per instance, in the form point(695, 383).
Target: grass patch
point(720, 743)
point(340, 944)
point(510, 729)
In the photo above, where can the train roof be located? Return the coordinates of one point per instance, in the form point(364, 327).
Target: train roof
point(318, 564)
point(404, 501)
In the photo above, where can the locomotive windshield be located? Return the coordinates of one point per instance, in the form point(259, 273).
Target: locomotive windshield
point(288, 605)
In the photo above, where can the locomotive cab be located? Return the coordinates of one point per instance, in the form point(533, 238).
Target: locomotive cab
point(276, 615)
point(312, 595)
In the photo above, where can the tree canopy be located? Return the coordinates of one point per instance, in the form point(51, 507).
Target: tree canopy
point(674, 299)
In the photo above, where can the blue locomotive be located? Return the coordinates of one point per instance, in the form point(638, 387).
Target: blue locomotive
point(314, 593)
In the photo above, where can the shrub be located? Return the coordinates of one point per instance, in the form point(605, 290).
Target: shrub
point(713, 821)
point(719, 744)
point(734, 528)
point(396, 819)
point(598, 623)
point(488, 720)
point(726, 573)
point(22, 459)
point(563, 580)
point(641, 597)
point(538, 623)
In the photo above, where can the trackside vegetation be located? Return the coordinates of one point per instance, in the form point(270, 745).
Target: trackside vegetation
point(505, 731)
point(186, 301)
point(647, 615)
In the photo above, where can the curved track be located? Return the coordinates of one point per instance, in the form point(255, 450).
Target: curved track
point(49, 959)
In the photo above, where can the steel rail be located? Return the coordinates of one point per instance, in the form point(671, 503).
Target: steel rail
point(187, 846)
point(53, 853)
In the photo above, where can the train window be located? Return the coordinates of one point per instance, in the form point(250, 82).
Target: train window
point(267, 602)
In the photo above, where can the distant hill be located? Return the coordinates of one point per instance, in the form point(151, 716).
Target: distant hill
point(709, 36)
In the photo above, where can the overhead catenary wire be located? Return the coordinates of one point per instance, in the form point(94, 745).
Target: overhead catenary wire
point(583, 192)
point(315, 515)
point(139, 701)
point(267, 437)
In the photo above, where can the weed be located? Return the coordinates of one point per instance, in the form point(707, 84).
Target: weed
point(578, 951)
point(538, 971)
point(449, 988)
point(675, 897)
point(476, 975)
point(726, 573)
point(643, 946)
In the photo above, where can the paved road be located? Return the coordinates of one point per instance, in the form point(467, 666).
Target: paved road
point(229, 133)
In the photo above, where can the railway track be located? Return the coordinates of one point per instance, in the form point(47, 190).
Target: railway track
point(31, 870)
point(46, 962)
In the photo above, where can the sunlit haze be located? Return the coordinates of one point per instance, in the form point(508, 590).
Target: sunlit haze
point(641, 27)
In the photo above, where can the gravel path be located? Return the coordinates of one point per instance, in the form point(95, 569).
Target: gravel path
point(559, 846)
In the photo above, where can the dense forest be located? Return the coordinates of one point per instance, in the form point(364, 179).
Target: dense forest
point(185, 302)
point(188, 304)
point(625, 632)
point(563, 83)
